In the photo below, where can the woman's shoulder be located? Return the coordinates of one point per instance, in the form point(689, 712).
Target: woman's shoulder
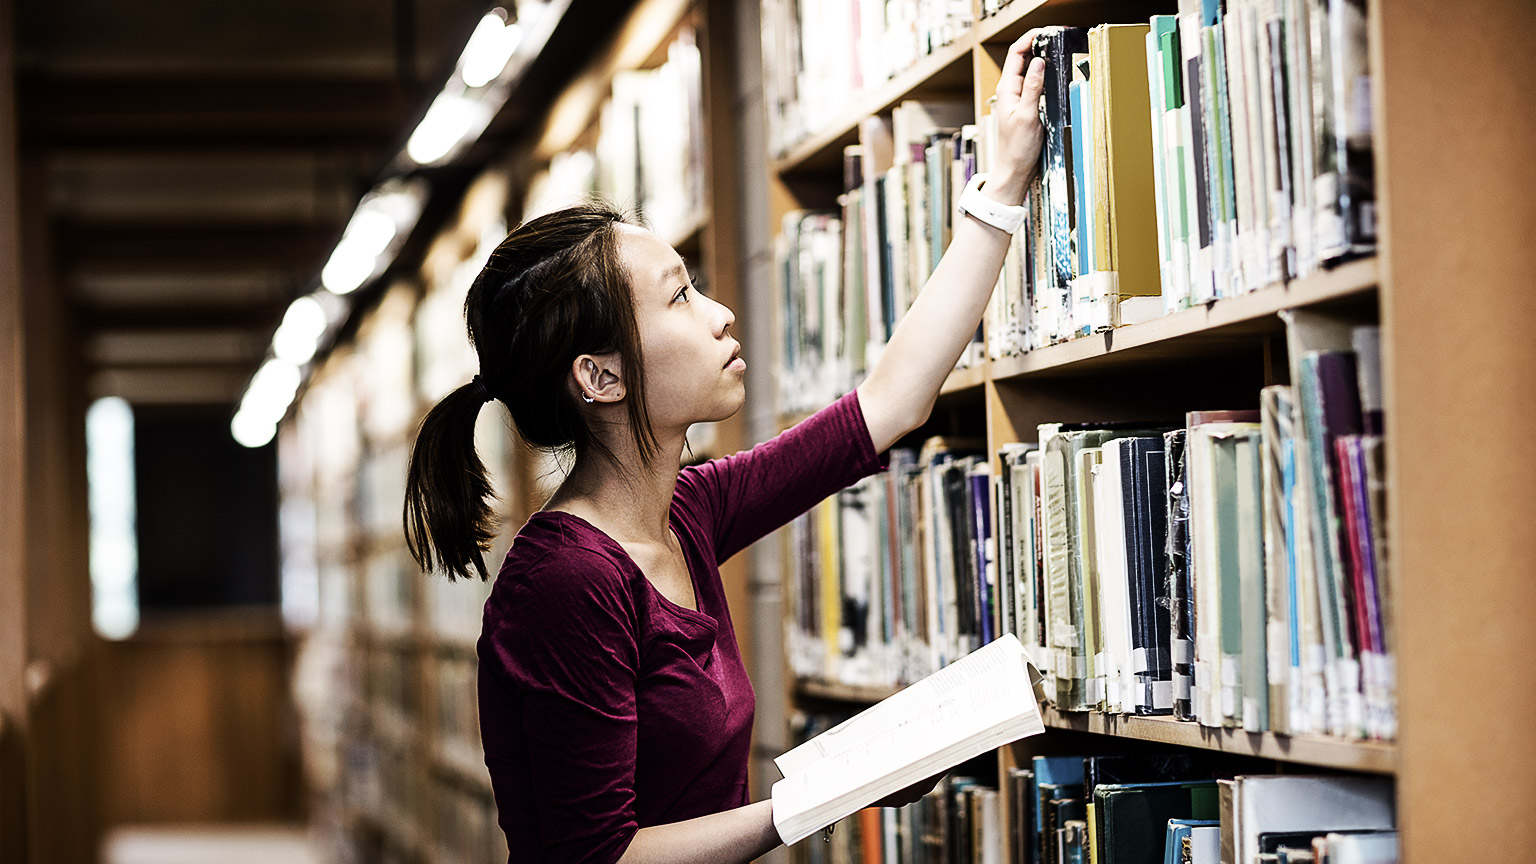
point(561, 559)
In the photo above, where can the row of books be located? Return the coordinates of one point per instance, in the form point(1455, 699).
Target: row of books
point(959, 822)
point(889, 577)
point(649, 152)
point(457, 726)
point(1173, 808)
point(1231, 571)
point(847, 276)
point(464, 830)
point(819, 57)
point(1200, 156)
point(1193, 809)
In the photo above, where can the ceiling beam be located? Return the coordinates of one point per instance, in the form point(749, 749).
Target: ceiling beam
point(192, 318)
point(123, 112)
point(301, 247)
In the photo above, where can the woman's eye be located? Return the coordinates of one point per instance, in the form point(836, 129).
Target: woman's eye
point(681, 295)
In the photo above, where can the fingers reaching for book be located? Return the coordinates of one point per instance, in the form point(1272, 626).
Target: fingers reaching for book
point(1020, 136)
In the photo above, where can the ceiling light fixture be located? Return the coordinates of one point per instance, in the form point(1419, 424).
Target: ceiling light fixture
point(493, 43)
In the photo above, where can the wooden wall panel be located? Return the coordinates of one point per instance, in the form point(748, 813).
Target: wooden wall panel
point(13, 696)
point(198, 726)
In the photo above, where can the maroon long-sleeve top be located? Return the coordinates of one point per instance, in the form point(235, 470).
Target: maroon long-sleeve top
point(604, 706)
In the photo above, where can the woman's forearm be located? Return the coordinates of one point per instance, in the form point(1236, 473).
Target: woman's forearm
point(900, 390)
point(730, 837)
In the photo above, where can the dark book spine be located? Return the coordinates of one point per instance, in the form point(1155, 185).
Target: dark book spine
point(981, 543)
point(1021, 822)
point(1180, 603)
point(1145, 501)
point(1195, 100)
point(1007, 553)
point(1057, 47)
point(958, 508)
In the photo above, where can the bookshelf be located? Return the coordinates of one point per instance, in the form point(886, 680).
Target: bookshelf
point(386, 676)
point(1446, 218)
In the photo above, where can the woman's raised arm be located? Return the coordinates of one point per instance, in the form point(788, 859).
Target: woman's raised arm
point(900, 390)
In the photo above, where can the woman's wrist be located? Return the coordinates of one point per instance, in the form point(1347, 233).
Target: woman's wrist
point(1006, 187)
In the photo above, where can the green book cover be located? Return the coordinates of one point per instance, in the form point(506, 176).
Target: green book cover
point(1133, 818)
point(1229, 585)
point(1255, 678)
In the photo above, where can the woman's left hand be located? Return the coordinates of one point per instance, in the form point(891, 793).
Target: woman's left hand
point(1018, 122)
point(910, 794)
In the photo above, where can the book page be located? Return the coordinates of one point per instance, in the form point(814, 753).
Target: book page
point(976, 704)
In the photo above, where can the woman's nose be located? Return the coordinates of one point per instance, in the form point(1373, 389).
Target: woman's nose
point(726, 318)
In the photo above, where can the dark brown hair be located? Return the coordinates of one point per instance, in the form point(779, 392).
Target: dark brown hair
point(555, 289)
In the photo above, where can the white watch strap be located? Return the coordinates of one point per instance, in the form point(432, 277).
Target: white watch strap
point(999, 216)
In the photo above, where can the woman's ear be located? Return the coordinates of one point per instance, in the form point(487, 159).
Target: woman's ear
point(598, 377)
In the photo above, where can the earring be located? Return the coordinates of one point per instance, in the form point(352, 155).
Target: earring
point(587, 399)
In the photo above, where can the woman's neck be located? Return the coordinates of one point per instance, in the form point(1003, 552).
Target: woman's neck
point(627, 498)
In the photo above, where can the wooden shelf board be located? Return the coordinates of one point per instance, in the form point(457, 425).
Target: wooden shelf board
point(946, 70)
point(1377, 757)
point(1012, 20)
point(1220, 322)
point(834, 692)
point(686, 236)
point(960, 380)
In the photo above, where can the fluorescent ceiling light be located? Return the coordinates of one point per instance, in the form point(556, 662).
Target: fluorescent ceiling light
point(250, 430)
point(114, 541)
point(451, 120)
point(356, 257)
point(265, 402)
point(299, 335)
point(490, 47)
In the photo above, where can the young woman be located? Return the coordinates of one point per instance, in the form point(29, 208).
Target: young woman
point(615, 711)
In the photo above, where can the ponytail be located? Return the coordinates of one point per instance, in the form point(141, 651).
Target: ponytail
point(449, 522)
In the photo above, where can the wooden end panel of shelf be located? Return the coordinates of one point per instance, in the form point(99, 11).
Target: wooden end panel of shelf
point(1376, 757)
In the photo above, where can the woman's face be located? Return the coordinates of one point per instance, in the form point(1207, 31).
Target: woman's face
point(693, 371)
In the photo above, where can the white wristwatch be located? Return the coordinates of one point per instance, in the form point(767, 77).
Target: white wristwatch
point(999, 216)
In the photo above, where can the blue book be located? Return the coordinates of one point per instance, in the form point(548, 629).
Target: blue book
point(1051, 771)
point(1179, 831)
point(1081, 185)
point(981, 505)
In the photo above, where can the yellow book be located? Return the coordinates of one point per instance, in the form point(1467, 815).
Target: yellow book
point(1093, 835)
point(831, 584)
point(1122, 108)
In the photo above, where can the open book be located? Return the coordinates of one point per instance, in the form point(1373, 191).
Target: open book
point(979, 703)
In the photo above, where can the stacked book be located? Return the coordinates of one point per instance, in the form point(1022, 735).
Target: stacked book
point(1231, 570)
point(847, 276)
point(893, 577)
point(819, 58)
point(1193, 808)
point(1086, 259)
point(1261, 122)
point(959, 821)
point(1149, 808)
point(650, 151)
